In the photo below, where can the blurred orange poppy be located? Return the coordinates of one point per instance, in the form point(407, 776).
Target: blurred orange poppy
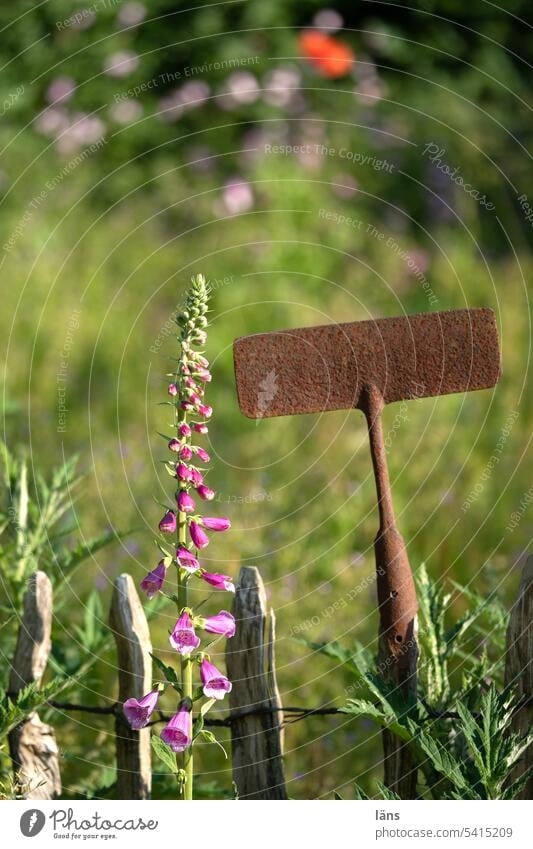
point(330, 57)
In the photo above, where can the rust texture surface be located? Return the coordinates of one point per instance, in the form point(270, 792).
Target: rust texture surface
point(314, 369)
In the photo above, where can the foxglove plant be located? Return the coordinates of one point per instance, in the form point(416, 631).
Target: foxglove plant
point(186, 393)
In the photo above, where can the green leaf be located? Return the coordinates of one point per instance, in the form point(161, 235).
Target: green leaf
point(386, 792)
point(360, 793)
point(169, 673)
point(164, 753)
point(210, 737)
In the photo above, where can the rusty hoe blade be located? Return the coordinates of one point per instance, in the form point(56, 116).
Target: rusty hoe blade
point(368, 364)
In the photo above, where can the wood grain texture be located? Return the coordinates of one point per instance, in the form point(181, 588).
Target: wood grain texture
point(132, 637)
point(32, 744)
point(257, 743)
point(519, 666)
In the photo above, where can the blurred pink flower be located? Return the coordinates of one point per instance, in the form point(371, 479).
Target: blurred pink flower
point(328, 19)
point(193, 93)
point(121, 64)
point(237, 196)
point(126, 111)
point(132, 14)
point(241, 88)
point(281, 85)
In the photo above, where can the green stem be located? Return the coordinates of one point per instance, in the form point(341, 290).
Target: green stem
point(186, 665)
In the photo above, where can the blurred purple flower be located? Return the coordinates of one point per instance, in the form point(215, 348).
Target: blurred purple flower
point(193, 93)
point(61, 89)
point(280, 85)
point(328, 19)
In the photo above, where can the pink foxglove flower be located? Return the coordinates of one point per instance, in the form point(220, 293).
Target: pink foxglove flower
point(200, 427)
point(187, 406)
point(183, 472)
point(197, 478)
point(178, 733)
point(216, 685)
point(174, 445)
point(168, 525)
point(205, 492)
point(187, 560)
point(185, 452)
point(185, 502)
point(183, 637)
point(205, 410)
point(220, 582)
point(203, 374)
point(223, 623)
point(216, 523)
point(184, 429)
point(202, 454)
point(173, 390)
point(154, 580)
point(139, 711)
point(198, 535)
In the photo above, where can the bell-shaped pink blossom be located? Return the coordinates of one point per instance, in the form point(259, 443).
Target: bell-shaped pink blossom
point(201, 337)
point(195, 399)
point(187, 406)
point(202, 454)
point(185, 502)
point(178, 732)
point(152, 583)
point(185, 452)
point(218, 581)
point(184, 429)
point(174, 445)
point(139, 711)
point(183, 472)
point(203, 374)
point(197, 477)
point(205, 410)
point(183, 637)
point(187, 560)
point(198, 535)
point(216, 685)
point(168, 525)
point(173, 390)
point(200, 427)
point(223, 623)
point(205, 492)
point(198, 358)
point(216, 523)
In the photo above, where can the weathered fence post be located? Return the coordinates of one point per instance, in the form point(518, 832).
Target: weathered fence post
point(132, 636)
point(32, 744)
point(519, 666)
point(257, 745)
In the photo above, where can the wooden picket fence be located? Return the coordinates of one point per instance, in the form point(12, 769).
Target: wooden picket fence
point(256, 715)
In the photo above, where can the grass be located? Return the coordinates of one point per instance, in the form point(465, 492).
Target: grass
point(95, 289)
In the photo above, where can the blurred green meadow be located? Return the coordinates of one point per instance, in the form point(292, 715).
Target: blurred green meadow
point(305, 200)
